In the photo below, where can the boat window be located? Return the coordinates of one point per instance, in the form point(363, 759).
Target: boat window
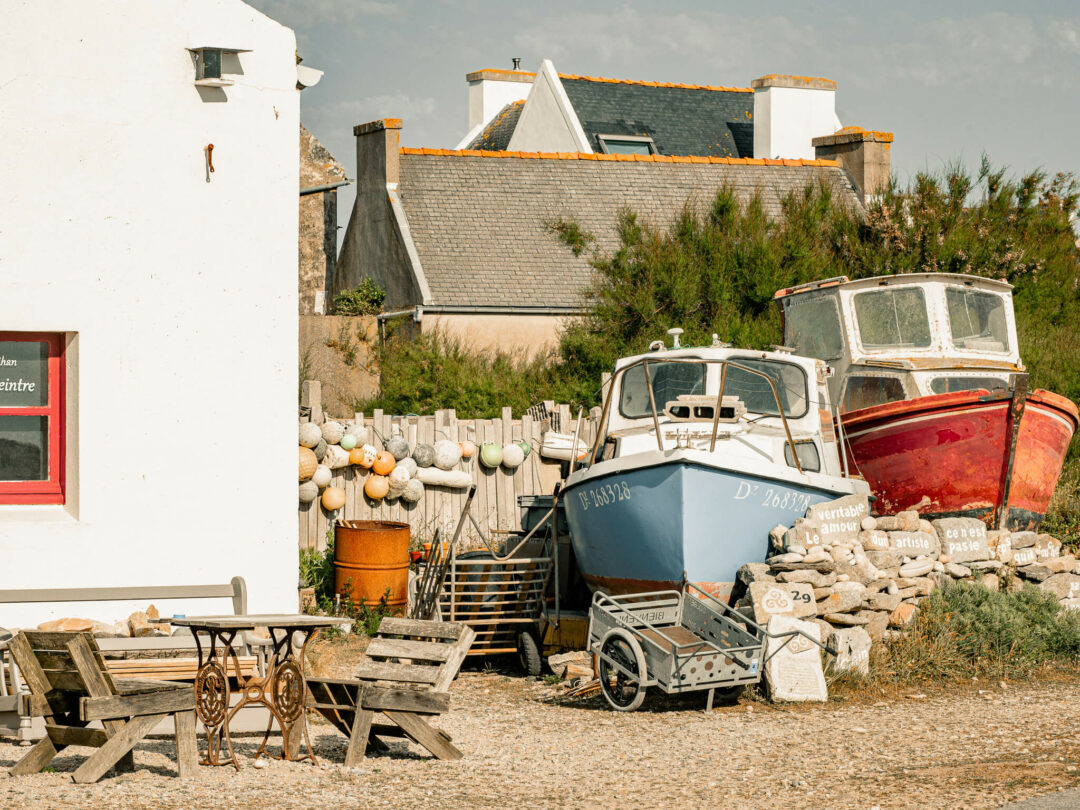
point(947, 385)
point(756, 393)
point(893, 319)
point(865, 392)
point(669, 380)
point(812, 326)
point(977, 320)
point(809, 459)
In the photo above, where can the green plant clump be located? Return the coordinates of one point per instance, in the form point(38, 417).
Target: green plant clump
point(366, 299)
point(966, 630)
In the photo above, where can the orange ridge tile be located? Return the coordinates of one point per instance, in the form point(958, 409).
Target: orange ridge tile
point(712, 159)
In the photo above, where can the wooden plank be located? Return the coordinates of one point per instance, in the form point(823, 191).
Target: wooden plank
point(64, 680)
point(46, 640)
point(423, 734)
point(403, 648)
point(408, 700)
point(187, 747)
point(426, 434)
point(40, 755)
point(453, 663)
point(479, 508)
point(402, 673)
point(118, 745)
point(70, 735)
point(393, 625)
point(517, 478)
point(444, 497)
point(104, 708)
point(491, 517)
point(507, 503)
point(32, 674)
point(358, 737)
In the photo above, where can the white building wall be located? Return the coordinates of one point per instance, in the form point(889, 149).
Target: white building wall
point(548, 122)
point(786, 119)
point(179, 292)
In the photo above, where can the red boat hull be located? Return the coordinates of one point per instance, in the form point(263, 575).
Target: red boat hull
point(948, 455)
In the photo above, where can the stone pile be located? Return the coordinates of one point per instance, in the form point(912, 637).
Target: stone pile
point(137, 625)
point(861, 578)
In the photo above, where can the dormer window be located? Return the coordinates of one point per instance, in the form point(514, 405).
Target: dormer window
point(626, 145)
point(213, 66)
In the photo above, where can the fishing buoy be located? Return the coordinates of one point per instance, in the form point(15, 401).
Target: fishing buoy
point(512, 456)
point(423, 455)
point(433, 476)
point(320, 449)
point(408, 464)
point(348, 441)
point(356, 456)
point(526, 448)
point(308, 463)
point(332, 432)
point(414, 491)
point(384, 463)
point(399, 477)
point(447, 454)
point(321, 477)
point(336, 458)
point(308, 492)
point(376, 487)
point(397, 447)
point(468, 449)
point(310, 435)
point(333, 498)
point(368, 456)
point(490, 455)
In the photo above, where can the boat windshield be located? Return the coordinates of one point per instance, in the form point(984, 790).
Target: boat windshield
point(669, 380)
point(948, 385)
point(893, 319)
point(977, 320)
point(757, 395)
point(812, 326)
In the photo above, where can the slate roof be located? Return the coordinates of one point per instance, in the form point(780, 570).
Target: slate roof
point(682, 120)
point(478, 219)
point(496, 135)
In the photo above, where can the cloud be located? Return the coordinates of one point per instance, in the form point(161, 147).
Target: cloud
point(311, 13)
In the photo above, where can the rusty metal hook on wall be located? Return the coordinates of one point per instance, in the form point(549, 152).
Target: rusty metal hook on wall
point(209, 160)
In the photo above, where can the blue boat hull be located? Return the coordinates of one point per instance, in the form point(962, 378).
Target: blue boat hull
point(653, 528)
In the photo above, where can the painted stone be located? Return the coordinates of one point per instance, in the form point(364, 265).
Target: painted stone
point(874, 540)
point(840, 519)
point(852, 648)
point(1022, 557)
point(802, 595)
point(963, 539)
point(770, 599)
point(794, 670)
point(1063, 586)
point(914, 544)
point(1047, 546)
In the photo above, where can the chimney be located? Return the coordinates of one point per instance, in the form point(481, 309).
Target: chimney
point(377, 144)
point(491, 90)
point(863, 154)
point(789, 111)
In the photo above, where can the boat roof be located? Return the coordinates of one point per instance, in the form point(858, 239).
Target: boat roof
point(900, 278)
point(716, 353)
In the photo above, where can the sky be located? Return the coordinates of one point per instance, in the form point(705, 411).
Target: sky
point(952, 80)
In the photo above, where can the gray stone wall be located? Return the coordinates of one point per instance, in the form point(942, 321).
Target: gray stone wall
point(318, 219)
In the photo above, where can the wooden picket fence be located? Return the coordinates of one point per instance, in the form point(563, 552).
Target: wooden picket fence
point(495, 506)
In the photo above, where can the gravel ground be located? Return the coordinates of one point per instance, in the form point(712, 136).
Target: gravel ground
point(525, 745)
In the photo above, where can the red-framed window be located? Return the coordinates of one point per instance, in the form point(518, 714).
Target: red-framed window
point(31, 417)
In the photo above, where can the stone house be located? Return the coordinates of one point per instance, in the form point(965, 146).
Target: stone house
point(320, 177)
point(464, 239)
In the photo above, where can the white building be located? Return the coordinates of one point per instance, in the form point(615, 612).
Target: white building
point(158, 275)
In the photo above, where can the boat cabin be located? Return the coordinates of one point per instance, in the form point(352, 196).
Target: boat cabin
point(774, 406)
point(892, 338)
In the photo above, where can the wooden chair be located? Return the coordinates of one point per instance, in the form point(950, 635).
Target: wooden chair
point(70, 687)
point(407, 677)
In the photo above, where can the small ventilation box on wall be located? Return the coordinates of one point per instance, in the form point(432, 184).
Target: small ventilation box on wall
point(214, 67)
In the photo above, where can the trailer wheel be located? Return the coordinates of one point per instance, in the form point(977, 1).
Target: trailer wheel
point(529, 654)
point(624, 692)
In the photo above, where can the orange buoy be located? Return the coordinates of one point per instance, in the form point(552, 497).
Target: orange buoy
point(384, 463)
point(376, 486)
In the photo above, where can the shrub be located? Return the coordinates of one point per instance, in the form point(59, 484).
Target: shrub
point(966, 630)
point(366, 299)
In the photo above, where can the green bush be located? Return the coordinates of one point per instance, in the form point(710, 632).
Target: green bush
point(366, 299)
point(966, 630)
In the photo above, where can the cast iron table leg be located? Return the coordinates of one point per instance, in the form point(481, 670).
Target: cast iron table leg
point(212, 695)
point(287, 692)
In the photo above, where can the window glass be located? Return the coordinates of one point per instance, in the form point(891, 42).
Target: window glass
point(948, 385)
point(977, 320)
point(809, 459)
point(613, 146)
point(893, 319)
point(24, 448)
point(24, 374)
point(669, 380)
point(866, 392)
point(757, 395)
point(812, 326)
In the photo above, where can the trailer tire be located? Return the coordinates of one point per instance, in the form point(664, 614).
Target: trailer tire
point(617, 642)
point(529, 654)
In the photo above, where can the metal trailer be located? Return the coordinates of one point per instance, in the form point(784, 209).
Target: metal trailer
point(679, 642)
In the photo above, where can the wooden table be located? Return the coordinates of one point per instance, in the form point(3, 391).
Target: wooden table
point(281, 689)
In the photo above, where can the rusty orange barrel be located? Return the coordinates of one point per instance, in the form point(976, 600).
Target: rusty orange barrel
point(370, 558)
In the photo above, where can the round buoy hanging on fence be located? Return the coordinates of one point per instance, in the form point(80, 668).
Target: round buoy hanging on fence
point(348, 441)
point(447, 454)
point(408, 464)
point(333, 498)
point(308, 492)
point(414, 491)
point(356, 456)
point(491, 455)
point(399, 477)
point(384, 463)
point(468, 448)
point(512, 456)
point(320, 449)
point(332, 432)
point(376, 486)
point(321, 477)
point(308, 463)
point(310, 435)
point(336, 458)
point(368, 456)
point(397, 447)
point(423, 455)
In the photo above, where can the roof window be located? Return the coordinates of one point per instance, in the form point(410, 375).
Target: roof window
point(626, 145)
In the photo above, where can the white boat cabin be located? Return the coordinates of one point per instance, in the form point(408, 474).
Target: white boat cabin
point(685, 384)
point(892, 338)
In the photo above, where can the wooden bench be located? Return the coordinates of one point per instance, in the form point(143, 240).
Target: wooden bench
point(161, 662)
